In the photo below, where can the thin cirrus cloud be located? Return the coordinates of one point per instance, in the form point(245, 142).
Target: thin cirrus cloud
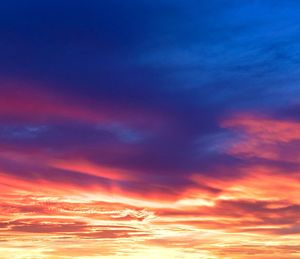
point(149, 130)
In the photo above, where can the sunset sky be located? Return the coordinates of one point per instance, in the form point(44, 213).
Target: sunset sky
point(149, 129)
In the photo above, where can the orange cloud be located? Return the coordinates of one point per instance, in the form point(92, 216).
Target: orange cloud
point(253, 215)
point(263, 137)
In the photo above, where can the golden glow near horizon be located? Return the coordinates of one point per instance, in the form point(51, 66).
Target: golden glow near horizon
point(255, 215)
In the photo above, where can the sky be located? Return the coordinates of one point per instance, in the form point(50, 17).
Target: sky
point(149, 129)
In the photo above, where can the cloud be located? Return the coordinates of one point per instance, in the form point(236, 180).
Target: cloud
point(156, 129)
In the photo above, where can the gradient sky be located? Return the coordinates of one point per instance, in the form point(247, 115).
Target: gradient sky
point(150, 129)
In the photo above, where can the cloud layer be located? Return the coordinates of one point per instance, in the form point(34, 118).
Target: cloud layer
point(157, 129)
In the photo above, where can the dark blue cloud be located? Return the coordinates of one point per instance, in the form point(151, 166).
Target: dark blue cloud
point(138, 53)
